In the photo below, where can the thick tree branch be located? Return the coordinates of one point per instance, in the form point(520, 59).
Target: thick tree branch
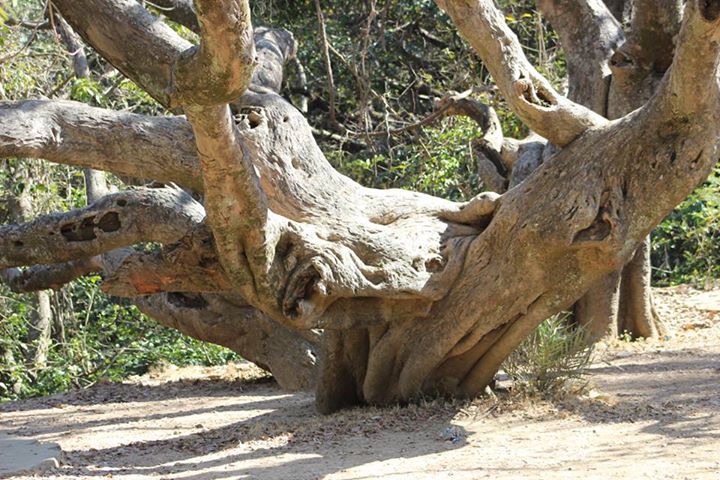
point(161, 215)
point(216, 73)
point(220, 69)
point(291, 356)
point(190, 265)
point(138, 146)
point(692, 86)
point(134, 41)
point(72, 133)
point(530, 95)
point(589, 35)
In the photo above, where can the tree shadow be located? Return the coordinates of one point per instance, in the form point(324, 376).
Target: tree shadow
point(678, 392)
point(271, 424)
point(112, 392)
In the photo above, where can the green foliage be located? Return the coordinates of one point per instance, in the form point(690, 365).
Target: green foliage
point(553, 359)
point(440, 163)
point(686, 246)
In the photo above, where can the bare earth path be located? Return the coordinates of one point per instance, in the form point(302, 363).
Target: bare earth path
point(654, 412)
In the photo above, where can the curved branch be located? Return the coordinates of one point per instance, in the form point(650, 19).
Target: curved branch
point(290, 355)
point(191, 265)
point(220, 69)
point(138, 146)
point(530, 95)
point(72, 133)
point(133, 40)
point(589, 35)
point(216, 73)
point(162, 215)
point(692, 89)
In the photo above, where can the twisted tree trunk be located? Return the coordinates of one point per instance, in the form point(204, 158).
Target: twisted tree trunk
point(413, 294)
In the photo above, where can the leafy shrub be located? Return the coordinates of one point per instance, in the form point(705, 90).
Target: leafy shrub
point(552, 359)
point(686, 246)
point(101, 340)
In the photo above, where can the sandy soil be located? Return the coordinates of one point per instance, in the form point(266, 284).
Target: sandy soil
point(653, 412)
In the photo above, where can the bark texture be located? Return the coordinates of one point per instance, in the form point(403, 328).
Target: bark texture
point(413, 294)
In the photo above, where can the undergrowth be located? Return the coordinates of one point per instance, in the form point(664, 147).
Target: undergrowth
point(553, 360)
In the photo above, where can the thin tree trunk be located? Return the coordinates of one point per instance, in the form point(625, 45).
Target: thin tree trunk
point(42, 319)
point(636, 314)
point(41, 329)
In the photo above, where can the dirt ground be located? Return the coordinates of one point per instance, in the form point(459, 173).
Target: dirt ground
point(653, 412)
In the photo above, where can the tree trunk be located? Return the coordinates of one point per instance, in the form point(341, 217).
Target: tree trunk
point(613, 94)
point(41, 330)
point(636, 314)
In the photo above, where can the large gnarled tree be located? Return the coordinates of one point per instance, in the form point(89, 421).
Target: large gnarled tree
point(373, 296)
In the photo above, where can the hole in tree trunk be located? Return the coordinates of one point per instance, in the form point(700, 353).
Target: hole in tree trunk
point(710, 9)
point(187, 300)
point(110, 222)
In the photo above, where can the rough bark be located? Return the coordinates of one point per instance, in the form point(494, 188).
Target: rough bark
point(158, 148)
point(161, 214)
point(227, 320)
point(589, 35)
point(417, 294)
point(638, 67)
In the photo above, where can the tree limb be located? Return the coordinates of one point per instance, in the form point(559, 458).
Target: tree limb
point(691, 89)
point(72, 133)
point(530, 95)
point(191, 265)
point(130, 38)
point(216, 73)
point(290, 355)
point(161, 215)
point(220, 69)
point(54, 276)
